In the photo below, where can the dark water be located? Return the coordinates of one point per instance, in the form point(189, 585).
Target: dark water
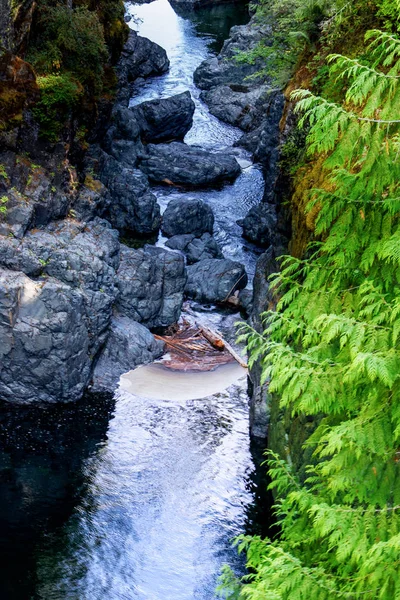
point(127, 498)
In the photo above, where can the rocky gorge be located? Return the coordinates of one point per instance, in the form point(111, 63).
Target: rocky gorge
point(67, 279)
point(168, 208)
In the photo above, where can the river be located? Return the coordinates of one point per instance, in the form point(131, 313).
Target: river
point(134, 498)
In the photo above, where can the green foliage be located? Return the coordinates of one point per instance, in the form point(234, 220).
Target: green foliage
point(72, 41)
point(332, 348)
point(3, 205)
point(300, 27)
point(59, 95)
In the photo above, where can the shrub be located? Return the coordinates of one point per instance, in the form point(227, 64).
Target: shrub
point(59, 95)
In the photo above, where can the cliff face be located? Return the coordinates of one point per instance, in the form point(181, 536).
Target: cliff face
point(15, 24)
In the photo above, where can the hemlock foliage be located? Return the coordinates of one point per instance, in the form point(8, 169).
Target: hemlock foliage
point(332, 348)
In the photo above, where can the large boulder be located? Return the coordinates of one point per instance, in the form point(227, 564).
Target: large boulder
point(188, 215)
point(151, 283)
point(196, 249)
point(129, 345)
point(238, 105)
point(165, 119)
point(260, 224)
point(189, 166)
point(141, 58)
point(82, 257)
point(224, 69)
point(131, 207)
point(44, 342)
point(212, 281)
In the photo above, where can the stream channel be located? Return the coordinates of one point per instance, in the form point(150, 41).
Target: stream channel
point(134, 498)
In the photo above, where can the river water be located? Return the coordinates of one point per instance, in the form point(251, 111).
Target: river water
point(134, 498)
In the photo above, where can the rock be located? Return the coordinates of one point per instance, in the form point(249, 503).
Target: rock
point(187, 165)
point(91, 201)
point(266, 140)
point(238, 105)
point(151, 283)
point(129, 345)
point(132, 208)
point(263, 299)
point(84, 258)
point(44, 341)
point(189, 215)
point(260, 224)
point(222, 70)
point(180, 242)
point(165, 119)
point(141, 58)
point(246, 300)
point(196, 249)
point(214, 280)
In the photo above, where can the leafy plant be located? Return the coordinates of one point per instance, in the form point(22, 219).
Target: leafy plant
point(59, 95)
point(332, 348)
point(3, 205)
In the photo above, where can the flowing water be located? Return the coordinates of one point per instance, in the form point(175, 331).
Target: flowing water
point(138, 498)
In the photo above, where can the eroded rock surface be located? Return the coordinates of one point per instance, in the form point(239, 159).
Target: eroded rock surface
point(214, 280)
point(189, 166)
point(196, 248)
point(129, 345)
point(44, 341)
point(151, 283)
point(187, 215)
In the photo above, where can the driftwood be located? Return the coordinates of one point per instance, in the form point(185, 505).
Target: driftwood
point(195, 347)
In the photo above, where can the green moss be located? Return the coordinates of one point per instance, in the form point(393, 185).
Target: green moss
point(59, 95)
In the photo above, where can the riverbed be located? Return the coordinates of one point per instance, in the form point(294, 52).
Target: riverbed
point(138, 497)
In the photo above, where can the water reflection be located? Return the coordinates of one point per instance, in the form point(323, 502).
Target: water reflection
point(43, 452)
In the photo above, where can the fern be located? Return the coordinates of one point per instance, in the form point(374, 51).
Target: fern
point(331, 348)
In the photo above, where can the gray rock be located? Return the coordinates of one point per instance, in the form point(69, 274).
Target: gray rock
point(187, 215)
point(187, 165)
point(238, 105)
point(44, 343)
point(129, 344)
point(196, 249)
point(141, 58)
point(214, 280)
point(165, 119)
point(90, 201)
point(132, 207)
point(260, 224)
point(180, 242)
point(223, 69)
point(151, 283)
point(84, 258)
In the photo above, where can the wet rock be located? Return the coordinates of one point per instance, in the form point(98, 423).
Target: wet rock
point(129, 345)
point(187, 165)
point(211, 281)
point(165, 119)
point(151, 283)
point(196, 249)
point(246, 300)
point(266, 140)
point(223, 69)
point(84, 258)
point(263, 299)
point(238, 105)
point(190, 215)
point(44, 341)
point(141, 58)
point(131, 207)
point(260, 224)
